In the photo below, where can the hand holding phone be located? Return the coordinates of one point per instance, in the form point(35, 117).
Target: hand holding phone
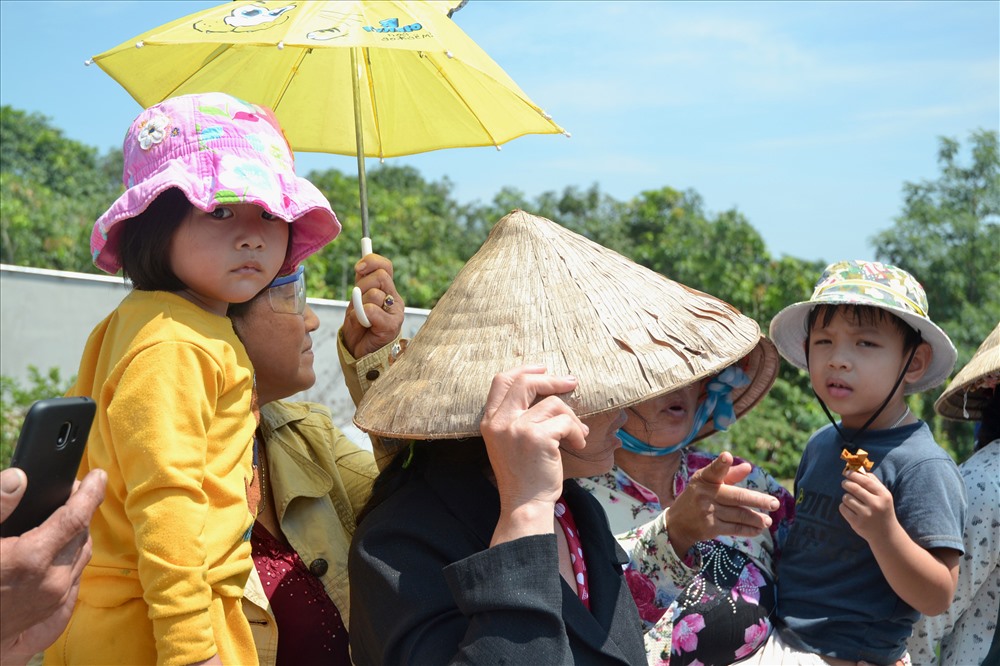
point(40, 570)
point(49, 449)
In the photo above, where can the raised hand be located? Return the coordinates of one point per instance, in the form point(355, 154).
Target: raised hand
point(383, 306)
point(711, 506)
point(522, 439)
point(40, 570)
point(867, 505)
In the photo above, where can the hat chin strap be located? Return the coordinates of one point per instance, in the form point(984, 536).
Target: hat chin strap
point(878, 412)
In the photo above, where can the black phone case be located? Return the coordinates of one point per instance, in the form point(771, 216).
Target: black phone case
point(49, 449)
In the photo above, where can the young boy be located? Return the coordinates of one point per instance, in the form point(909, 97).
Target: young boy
point(869, 551)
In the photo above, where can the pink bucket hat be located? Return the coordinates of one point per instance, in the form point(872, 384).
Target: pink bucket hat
point(217, 150)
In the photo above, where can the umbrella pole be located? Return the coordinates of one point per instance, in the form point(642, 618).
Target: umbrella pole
point(366, 241)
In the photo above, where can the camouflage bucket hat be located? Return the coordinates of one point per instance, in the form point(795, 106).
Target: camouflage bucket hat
point(876, 285)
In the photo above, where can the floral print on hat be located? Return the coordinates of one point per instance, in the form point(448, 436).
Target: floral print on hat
point(154, 131)
point(870, 283)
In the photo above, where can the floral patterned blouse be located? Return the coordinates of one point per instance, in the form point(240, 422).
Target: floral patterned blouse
point(965, 633)
point(714, 605)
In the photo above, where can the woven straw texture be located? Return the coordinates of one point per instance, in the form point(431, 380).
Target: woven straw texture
point(972, 387)
point(536, 293)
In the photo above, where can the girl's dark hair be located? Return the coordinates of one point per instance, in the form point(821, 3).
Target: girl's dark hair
point(865, 315)
point(145, 243)
point(408, 466)
point(989, 424)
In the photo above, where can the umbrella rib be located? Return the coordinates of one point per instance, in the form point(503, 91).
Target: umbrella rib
point(459, 95)
point(222, 48)
point(374, 102)
point(288, 80)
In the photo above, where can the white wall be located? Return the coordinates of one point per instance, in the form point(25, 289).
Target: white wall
point(46, 317)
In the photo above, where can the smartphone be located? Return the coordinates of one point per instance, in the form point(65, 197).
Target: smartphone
point(49, 449)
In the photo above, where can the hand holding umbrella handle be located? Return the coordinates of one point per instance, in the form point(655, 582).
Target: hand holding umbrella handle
point(359, 307)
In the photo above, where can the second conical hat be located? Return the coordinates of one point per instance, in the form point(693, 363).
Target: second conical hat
point(537, 293)
point(971, 389)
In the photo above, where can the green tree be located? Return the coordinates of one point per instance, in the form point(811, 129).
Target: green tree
point(416, 223)
point(588, 212)
point(15, 399)
point(51, 190)
point(663, 230)
point(948, 236)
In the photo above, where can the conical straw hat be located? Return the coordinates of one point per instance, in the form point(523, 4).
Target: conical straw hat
point(536, 293)
point(972, 387)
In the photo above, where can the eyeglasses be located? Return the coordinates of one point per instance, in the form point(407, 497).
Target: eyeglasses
point(288, 293)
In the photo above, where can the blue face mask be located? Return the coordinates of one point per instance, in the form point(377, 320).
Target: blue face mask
point(717, 405)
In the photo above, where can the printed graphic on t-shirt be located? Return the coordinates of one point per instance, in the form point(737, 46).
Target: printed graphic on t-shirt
point(820, 530)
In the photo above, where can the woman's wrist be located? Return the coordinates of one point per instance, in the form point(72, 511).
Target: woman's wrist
point(525, 519)
point(682, 545)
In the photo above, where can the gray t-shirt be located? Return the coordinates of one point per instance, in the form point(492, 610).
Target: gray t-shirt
point(832, 596)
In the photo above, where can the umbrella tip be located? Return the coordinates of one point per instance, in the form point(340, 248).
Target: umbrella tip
point(88, 62)
point(281, 46)
point(449, 54)
point(140, 44)
point(567, 135)
point(498, 147)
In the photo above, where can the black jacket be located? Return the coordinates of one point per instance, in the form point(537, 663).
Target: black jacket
point(426, 588)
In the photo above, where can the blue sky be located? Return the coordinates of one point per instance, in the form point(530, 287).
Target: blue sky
point(808, 117)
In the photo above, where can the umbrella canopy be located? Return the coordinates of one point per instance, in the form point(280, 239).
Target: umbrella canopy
point(369, 79)
point(423, 83)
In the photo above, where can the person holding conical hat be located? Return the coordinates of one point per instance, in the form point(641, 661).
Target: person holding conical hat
point(478, 545)
point(702, 530)
point(967, 632)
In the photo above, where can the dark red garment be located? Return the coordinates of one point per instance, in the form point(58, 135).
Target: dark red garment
point(310, 629)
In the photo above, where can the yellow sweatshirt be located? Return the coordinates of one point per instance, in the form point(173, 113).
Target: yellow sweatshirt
point(174, 432)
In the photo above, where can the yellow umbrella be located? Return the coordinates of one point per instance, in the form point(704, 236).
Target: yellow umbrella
point(371, 79)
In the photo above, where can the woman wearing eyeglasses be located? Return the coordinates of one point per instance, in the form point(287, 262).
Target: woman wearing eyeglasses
point(314, 479)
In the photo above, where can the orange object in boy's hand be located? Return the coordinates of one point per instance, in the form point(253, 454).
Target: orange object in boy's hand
point(856, 462)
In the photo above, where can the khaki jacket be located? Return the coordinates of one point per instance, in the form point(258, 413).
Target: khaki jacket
point(320, 480)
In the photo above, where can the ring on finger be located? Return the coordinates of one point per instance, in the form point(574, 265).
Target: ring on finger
point(388, 302)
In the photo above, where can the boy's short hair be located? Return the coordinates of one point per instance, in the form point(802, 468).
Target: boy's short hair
point(864, 315)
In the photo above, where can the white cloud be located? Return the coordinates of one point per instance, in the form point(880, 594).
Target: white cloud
point(700, 56)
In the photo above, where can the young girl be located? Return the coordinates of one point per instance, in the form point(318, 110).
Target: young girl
point(204, 222)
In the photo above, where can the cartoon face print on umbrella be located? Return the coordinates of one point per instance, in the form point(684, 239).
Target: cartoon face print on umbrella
point(246, 18)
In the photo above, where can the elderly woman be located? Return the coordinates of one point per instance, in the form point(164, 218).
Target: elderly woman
point(703, 531)
point(315, 480)
point(969, 631)
point(478, 545)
